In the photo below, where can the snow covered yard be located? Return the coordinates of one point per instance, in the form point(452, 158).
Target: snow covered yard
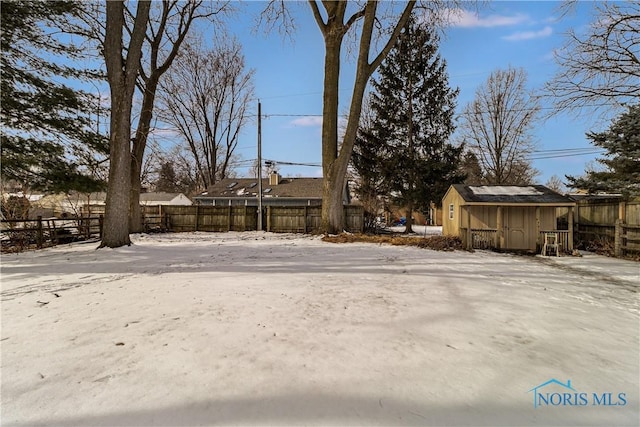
point(263, 329)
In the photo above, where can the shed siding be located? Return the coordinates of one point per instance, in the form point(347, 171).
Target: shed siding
point(451, 226)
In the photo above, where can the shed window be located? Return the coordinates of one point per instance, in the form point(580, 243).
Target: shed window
point(451, 211)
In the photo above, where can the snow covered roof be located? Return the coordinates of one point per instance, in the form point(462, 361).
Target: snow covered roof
point(512, 194)
point(160, 196)
point(308, 188)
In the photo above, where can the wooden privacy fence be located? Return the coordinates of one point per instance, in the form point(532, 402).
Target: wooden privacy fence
point(609, 221)
point(277, 219)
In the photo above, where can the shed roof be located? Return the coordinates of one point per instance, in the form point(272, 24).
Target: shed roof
point(310, 188)
point(512, 194)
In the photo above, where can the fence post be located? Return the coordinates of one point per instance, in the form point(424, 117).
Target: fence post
point(538, 234)
point(499, 227)
point(39, 232)
point(268, 218)
point(571, 230)
point(195, 226)
point(86, 226)
point(244, 218)
point(618, 237)
point(469, 236)
point(229, 217)
point(622, 211)
point(100, 225)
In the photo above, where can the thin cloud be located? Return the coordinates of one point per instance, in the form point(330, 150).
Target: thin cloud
point(308, 121)
point(467, 19)
point(529, 35)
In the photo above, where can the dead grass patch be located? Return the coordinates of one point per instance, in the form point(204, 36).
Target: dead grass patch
point(438, 243)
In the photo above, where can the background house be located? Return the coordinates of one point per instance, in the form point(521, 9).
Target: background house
point(88, 204)
point(164, 199)
point(276, 191)
point(505, 217)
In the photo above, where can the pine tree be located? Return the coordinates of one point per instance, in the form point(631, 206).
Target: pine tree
point(622, 161)
point(370, 182)
point(167, 178)
point(43, 121)
point(413, 109)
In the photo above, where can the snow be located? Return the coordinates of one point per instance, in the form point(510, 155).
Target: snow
point(264, 329)
point(505, 190)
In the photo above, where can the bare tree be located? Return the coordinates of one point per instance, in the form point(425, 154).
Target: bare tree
point(556, 184)
point(334, 24)
point(497, 126)
point(169, 24)
point(206, 97)
point(122, 59)
point(375, 32)
point(600, 69)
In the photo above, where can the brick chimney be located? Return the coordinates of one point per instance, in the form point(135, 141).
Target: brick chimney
point(274, 178)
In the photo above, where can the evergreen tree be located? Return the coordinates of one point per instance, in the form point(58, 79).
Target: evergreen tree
point(413, 109)
point(370, 182)
point(471, 167)
point(622, 161)
point(44, 122)
point(167, 178)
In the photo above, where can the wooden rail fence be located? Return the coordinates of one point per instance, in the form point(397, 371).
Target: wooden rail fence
point(21, 233)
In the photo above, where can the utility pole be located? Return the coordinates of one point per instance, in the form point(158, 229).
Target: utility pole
point(259, 166)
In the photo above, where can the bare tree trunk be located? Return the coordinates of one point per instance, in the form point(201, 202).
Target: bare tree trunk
point(121, 75)
point(409, 219)
point(332, 210)
point(334, 164)
point(168, 34)
point(137, 153)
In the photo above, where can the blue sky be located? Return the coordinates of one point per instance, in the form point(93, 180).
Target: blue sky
point(289, 75)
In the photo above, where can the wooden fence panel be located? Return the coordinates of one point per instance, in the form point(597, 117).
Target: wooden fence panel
point(181, 218)
point(287, 219)
point(314, 219)
point(601, 213)
point(608, 222)
point(354, 216)
point(632, 213)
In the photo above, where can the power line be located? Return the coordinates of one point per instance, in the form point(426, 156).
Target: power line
point(278, 162)
point(567, 154)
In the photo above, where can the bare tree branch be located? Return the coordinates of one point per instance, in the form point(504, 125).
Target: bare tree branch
point(600, 70)
point(497, 125)
point(206, 96)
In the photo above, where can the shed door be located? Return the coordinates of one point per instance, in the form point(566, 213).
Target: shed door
point(518, 223)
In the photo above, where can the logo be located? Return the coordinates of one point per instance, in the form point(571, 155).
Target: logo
point(557, 393)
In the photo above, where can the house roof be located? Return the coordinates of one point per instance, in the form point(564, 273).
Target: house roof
point(158, 197)
point(512, 194)
point(242, 188)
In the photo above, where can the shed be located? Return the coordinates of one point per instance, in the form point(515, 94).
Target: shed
point(506, 217)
